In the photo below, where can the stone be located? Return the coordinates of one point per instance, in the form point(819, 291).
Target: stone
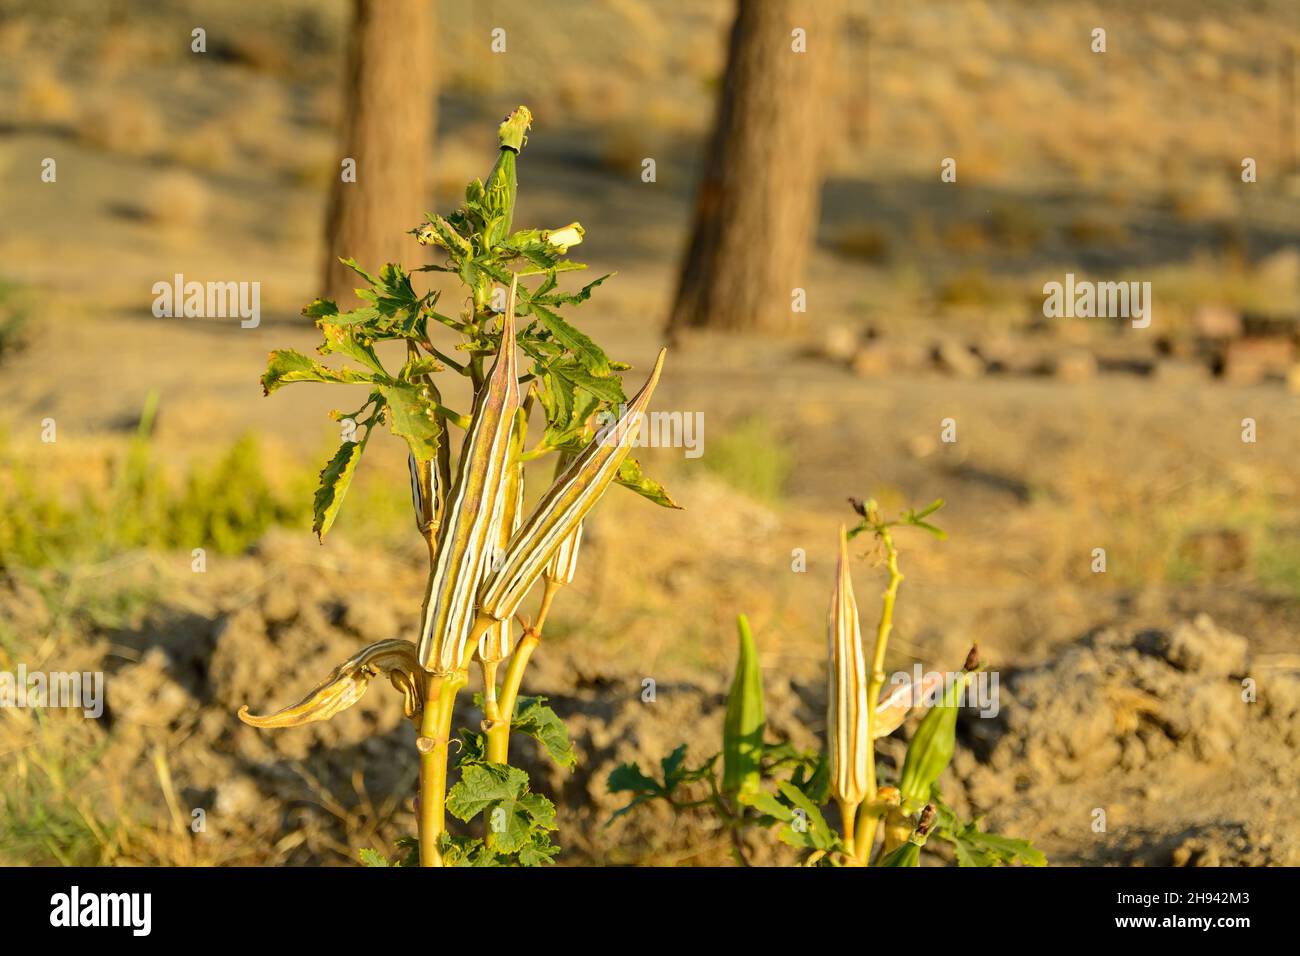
point(1250, 361)
point(1217, 322)
point(955, 359)
point(1074, 365)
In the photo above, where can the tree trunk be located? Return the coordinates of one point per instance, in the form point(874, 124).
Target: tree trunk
point(757, 205)
point(388, 123)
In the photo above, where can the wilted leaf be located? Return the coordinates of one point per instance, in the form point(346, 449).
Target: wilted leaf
point(287, 366)
point(347, 684)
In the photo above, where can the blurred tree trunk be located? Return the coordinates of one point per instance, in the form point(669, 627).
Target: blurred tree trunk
point(388, 123)
point(757, 205)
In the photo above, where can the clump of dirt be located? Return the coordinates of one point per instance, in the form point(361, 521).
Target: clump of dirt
point(1156, 748)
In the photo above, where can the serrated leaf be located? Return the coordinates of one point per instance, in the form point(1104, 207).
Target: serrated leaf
point(674, 768)
point(588, 354)
point(371, 857)
point(348, 340)
point(629, 777)
point(319, 308)
point(978, 844)
point(534, 718)
point(335, 478)
point(768, 805)
point(543, 294)
point(538, 853)
point(411, 418)
point(818, 834)
point(500, 791)
point(521, 817)
point(482, 785)
point(352, 264)
point(631, 476)
point(286, 366)
point(607, 389)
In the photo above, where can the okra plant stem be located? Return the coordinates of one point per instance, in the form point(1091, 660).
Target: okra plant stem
point(848, 813)
point(433, 782)
point(498, 735)
point(866, 828)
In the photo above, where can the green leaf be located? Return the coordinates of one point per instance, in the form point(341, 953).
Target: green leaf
point(989, 849)
point(482, 785)
point(320, 308)
point(817, 834)
point(335, 478)
point(930, 509)
point(908, 854)
point(520, 817)
point(768, 805)
point(366, 315)
point(674, 768)
point(350, 341)
point(607, 389)
point(629, 777)
point(501, 792)
point(535, 719)
point(412, 418)
point(538, 852)
point(589, 355)
point(560, 298)
point(287, 366)
point(352, 264)
point(371, 857)
point(631, 476)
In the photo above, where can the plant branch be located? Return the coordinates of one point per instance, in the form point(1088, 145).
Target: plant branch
point(865, 836)
point(498, 745)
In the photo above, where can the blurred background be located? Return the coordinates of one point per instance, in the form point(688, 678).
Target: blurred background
point(772, 173)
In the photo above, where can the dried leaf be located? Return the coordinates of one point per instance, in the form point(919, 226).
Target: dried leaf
point(347, 683)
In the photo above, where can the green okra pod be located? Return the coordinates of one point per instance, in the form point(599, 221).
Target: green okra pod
point(742, 733)
point(931, 748)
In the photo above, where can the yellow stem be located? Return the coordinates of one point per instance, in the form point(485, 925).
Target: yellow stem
point(433, 743)
point(498, 742)
point(848, 811)
point(866, 835)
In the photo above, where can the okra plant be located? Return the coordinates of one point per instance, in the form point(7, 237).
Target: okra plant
point(486, 553)
point(773, 784)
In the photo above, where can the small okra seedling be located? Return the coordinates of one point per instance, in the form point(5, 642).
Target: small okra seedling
point(767, 784)
point(528, 368)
